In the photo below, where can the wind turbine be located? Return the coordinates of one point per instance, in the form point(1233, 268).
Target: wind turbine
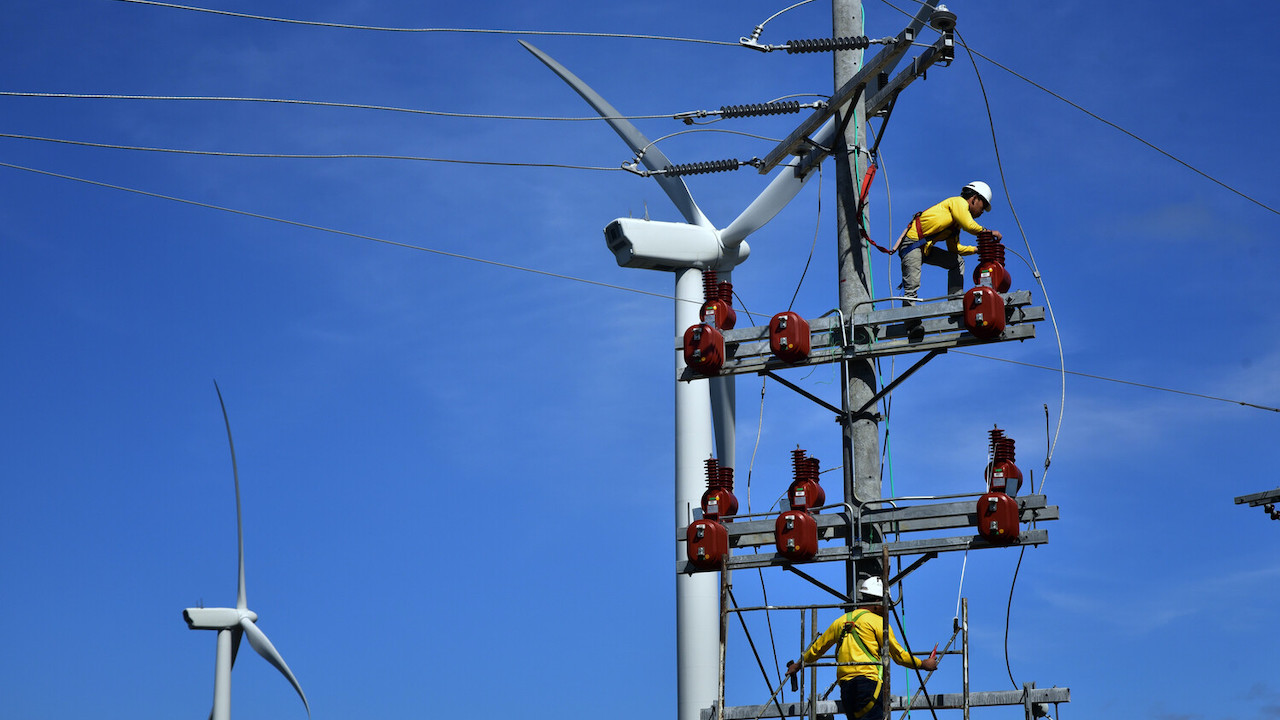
point(232, 623)
point(701, 407)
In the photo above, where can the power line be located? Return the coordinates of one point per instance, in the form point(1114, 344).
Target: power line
point(336, 156)
point(1123, 382)
point(346, 26)
point(407, 246)
point(1104, 121)
point(322, 103)
point(334, 231)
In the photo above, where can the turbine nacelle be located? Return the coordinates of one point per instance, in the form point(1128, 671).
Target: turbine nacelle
point(670, 246)
point(216, 618)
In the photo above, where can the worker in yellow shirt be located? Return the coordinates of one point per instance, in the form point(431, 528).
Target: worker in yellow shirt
point(860, 634)
point(933, 238)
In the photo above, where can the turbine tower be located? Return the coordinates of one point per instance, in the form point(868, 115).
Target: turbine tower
point(701, 406)
point(232, 623)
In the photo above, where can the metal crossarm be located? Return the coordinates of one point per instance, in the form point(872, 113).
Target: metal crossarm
point(828, 709)
point(932, 517)
point(871, 334)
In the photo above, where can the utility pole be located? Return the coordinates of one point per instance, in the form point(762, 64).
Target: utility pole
point(861, 442)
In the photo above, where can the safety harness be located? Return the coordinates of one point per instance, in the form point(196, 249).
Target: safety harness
point(849, 629)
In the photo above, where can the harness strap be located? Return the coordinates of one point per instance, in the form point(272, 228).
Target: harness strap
point(849, 629)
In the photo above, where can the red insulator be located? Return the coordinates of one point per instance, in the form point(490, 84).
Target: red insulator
point(726, 296)
point(795, 535)
point(1003, 474)
point(704, 349)
point(805, 493)
point(707, 543)
point(984, 312)
point(789, 337)
point(717, 307)
point(991, 270)
point(718, 501)
point(997, 518)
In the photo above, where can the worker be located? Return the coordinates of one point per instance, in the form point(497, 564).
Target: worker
point(860, 672)
point(933, 237)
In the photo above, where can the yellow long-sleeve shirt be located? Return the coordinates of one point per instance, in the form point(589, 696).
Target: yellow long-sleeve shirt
point(869, 629)
point(945, 220)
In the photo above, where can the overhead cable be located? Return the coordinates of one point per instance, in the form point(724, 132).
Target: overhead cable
point(308, 156)
point(334, 231)
point(1035, 269)
point(488, 31)
point(1104, 121)
point(1125, 382)
point(322, 103)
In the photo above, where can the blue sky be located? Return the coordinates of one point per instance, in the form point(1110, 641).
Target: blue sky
point(457, 477)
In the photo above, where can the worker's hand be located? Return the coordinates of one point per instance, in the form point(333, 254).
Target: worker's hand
point(997, 234)
point(929, 663)
point(793, 667)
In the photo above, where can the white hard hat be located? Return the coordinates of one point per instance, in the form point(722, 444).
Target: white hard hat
point(871, 587)
point(982, 189)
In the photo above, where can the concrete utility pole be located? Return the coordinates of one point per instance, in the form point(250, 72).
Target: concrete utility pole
point(861, 434)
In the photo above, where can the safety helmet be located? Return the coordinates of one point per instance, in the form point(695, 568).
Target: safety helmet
point(871, 587)
point(981, 189)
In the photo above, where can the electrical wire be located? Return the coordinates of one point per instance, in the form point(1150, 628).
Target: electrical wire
point(306, 156)
point(322, 103)
point(345, 233)
point(346, 26)
point(1123, 382)
point(813, 246)
point(1035, 269)
point(1104, 121)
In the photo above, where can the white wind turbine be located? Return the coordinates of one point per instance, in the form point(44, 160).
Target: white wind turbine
point(232, 623)
point(701, 407)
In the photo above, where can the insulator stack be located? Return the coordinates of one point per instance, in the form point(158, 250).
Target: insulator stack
point(998, 513)
point(991, 270)
point(795, 531)
point(985, 311)
point(1003, 474)
point(759, 109)
point(805, 493)
point(701, 168)
point(719, 502)
point(710, 285)
point(828, 44)
point(717, 310)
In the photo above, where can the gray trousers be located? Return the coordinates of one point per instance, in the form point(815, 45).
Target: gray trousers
point(939, 256)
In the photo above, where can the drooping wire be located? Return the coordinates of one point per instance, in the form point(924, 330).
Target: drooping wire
point(813, 246)
point(1008, 611)
point(1103, 120)
point(346, 26)
point(1035, 269)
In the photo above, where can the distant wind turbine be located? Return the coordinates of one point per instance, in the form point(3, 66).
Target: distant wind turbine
point(232, 623)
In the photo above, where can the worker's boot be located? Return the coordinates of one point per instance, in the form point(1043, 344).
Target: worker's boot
point(915, 327)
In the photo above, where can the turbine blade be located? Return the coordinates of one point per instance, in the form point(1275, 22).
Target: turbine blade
point(236, 634)
point(259, 642)
point(775, 196)
point(241, 602)
point(652, 157)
